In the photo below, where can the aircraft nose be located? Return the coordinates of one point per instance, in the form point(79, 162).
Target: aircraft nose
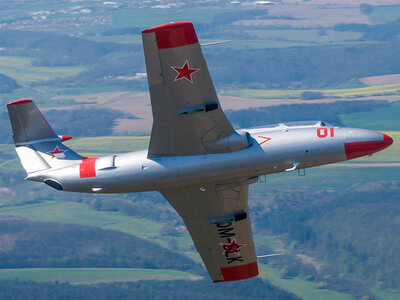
point(360, 148)
point(388, 140)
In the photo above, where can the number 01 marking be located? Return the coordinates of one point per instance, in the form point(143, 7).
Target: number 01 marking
point(323, 132)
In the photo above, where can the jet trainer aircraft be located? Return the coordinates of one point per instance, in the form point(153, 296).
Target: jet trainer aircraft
point(198, 162)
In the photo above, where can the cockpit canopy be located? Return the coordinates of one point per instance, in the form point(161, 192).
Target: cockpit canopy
point(290, 125)
point(307, 124)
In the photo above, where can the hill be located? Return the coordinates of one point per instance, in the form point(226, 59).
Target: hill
point(7, 84)
point(202, 290)
point(28, 244)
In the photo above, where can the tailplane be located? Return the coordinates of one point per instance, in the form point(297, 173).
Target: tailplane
point(37, 145)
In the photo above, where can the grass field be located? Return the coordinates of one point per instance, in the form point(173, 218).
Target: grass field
point(383, 295)
point(379, 119)
point(314, 36)
point(95, 275)
point(120, 39)
point(149, 17)
point(12, 164)
point(235, 44)
point(85, 90)
point(384, 14)
point(303, 288)
point(83, 214)
point(329, 178)
point(262, 43)
point(281, 38)
point(260, 38)
point(310, 290)
point(108, 145)
point(345, 93)
point(22, 70)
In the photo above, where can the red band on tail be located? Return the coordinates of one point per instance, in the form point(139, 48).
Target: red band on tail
point(173, 35)
point(20, 102)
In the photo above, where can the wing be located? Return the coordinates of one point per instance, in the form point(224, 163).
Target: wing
point(217, 219)
point(187, 117)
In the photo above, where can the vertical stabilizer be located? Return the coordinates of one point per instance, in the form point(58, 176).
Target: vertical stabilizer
point(37, 145)
point(187, 116)
point(28, 123)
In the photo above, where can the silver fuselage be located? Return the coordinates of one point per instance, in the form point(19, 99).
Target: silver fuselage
point(272, 149)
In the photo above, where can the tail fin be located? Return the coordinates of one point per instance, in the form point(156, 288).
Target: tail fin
point(187, 116)
point(37, 145)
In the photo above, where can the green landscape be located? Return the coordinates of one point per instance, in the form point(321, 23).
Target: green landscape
point(390, 89)
point(82, 63)
point(22, 69)
point(90, 276)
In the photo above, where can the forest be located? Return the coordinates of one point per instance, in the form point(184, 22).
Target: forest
point(169, 290)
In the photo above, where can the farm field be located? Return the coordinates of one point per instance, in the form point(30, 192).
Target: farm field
point(385, 13)
point(271, 40)
point(22, 70)
point(83, 214)
point(313, 36)
point(108, 145)
point(379, 119)
point(149, 17)
point(94, 275)
point(138, 103)
point(295, 38)
point(342, 93)
point(303, 288)
point(329, 178)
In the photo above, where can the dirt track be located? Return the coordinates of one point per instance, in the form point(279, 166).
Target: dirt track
point(381, 80)
point(360, 165)
point(139, 105)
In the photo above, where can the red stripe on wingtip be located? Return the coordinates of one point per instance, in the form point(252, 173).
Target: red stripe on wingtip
point(87, 167)
point(20, 102)
point(173, 35)
point(239, 272)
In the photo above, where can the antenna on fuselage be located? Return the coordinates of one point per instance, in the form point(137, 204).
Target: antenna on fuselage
point(270, 255)
point(215, 43)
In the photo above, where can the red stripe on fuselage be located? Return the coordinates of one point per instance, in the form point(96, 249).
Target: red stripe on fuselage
point(87, 167)
point(239, 272)
point(173, 35)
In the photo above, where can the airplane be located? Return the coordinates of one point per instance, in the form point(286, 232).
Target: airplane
point(196, 159)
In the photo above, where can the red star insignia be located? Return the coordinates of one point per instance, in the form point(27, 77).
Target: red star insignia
point(233, 247)
point(266, 139)
point(185, 72)
point(57, 152)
